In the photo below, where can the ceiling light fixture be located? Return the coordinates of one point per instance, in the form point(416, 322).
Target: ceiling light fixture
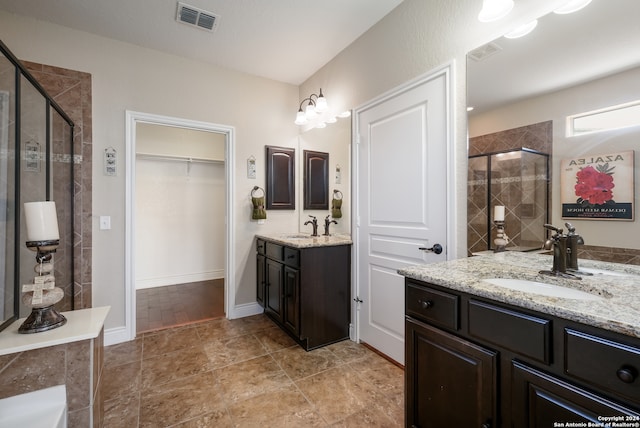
point(492, 10)
point(572, 6)
point(522, 30)
point(315, 104)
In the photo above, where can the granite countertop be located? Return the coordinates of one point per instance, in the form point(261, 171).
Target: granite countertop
point(618, 310)
point(302, 240)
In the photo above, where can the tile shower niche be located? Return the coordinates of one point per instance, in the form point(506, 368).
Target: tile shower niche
point(517, 179)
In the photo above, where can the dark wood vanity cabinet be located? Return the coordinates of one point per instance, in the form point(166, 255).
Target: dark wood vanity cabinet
point(474, 362)
point(306, 291)
point(465, 379)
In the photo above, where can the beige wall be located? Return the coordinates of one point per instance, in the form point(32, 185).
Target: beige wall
point(127, 77)
point(416, 37)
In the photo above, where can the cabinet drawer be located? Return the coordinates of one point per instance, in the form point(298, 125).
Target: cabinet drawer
point(260, 244)
point(274, 251)
point(518, 332)
point(604, 363)
point(291, 257)
point(433, 306)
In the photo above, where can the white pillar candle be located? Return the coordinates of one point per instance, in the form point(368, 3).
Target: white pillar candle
point(498, 213)
point(41, 220)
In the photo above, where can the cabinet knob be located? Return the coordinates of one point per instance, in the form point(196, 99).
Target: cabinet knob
point(485, 425)
point(426, 304)
point(627, 374)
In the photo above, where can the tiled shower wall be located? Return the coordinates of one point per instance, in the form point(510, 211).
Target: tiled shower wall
point(510, 188)
point(71, 90)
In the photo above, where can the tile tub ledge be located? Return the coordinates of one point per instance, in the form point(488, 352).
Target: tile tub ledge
point(81, 325)
point(71, 355)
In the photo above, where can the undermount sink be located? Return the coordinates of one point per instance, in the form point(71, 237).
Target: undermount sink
point(542, 288)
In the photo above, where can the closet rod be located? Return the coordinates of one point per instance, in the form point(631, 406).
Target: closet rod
point(151, 156)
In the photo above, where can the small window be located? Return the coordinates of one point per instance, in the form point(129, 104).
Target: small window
point(620, 116)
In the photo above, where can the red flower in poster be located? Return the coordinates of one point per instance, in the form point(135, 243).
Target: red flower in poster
point(594, 185)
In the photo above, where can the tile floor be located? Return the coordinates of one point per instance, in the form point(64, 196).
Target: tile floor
point(247, 373)
point(173, 305)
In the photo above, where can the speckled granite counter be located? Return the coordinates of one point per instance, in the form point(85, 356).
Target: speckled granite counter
point(301, 240)
point(618, 311)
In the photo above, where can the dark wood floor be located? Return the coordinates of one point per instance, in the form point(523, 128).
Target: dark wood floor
point(174, 305)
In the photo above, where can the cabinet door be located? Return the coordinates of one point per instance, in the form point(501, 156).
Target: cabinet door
point(261, 282)
point(291, 315)
point(273, 297)
point(449, 381)
point(541, 400)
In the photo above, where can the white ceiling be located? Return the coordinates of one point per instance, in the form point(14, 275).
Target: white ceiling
point(283, 40)
point(562, 51)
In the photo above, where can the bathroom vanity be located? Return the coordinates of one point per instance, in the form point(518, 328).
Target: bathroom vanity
point(518, 352)
point(304, 285)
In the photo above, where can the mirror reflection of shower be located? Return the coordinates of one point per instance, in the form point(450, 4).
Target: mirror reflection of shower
point(516, 178)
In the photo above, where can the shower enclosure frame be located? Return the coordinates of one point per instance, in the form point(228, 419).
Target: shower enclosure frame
point(51, 107)
point(490, 181)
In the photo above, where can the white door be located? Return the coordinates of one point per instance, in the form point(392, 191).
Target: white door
point(401, 187)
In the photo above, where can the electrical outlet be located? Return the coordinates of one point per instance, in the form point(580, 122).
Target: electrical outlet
point(105, 222)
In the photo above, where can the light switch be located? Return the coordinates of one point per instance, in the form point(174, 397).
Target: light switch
point(105, 222)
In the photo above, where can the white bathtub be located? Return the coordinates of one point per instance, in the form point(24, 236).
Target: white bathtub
point(45, 408)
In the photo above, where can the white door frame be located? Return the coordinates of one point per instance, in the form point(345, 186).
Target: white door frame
point(132, 119)
point(446, 70)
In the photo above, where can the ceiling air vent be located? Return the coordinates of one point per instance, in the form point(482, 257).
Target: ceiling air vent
point(484, 52)
point(197, 17)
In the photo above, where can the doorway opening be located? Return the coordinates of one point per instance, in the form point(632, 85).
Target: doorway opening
point(179, 228)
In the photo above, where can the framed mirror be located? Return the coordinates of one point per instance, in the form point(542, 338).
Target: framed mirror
point(281, 186)
point(316, 180)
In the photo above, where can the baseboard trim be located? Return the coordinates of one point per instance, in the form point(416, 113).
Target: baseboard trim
point(245, 310)
point(141, 284)
point(113, 336)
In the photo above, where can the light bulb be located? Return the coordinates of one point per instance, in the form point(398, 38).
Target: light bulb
point(492, 10)
point(301, 118)
point(310, 111)
point(321, 103)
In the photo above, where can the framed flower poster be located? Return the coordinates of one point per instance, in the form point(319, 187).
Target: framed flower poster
point(598, 187)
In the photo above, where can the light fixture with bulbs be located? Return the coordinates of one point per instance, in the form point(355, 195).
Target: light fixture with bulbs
point(492, 10)
point(316, 103)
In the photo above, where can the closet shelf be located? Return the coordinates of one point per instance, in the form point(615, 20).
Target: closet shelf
point(171, 158)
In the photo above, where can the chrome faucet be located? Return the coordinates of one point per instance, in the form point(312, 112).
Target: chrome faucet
point(558, 242)
point(327, 223)
point(314, 224)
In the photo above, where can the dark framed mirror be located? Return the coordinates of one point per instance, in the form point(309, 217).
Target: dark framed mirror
point(281, 187)
point(316, 180)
